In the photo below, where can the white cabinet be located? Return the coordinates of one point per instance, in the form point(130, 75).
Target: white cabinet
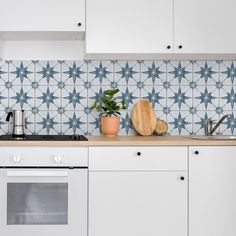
point(204, 26)
point(137, 204)
point(41, 20)
point(135, 201)
point(42, 16)
point(129, 27)
point(156, 28)
point(212, 191)
point(42, 29)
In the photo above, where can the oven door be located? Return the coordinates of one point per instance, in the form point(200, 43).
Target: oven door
point(43, 202)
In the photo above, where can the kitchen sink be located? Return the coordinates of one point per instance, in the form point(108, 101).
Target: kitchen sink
point(212, 137)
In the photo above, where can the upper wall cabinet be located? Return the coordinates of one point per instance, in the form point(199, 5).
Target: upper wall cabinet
point(42, 19)
point(128, 27)
point(163, 29)
point(205, 26)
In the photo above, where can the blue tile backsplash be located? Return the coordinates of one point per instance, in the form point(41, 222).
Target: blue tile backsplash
point(57, 95)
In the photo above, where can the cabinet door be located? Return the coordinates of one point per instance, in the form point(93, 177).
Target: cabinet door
point(144, 26)
point(205, 26)
point(137, 204)
point(212, 191)
point(42, 15)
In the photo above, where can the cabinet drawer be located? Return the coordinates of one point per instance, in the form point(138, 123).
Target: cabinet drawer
point(137, 158)
point(43, 156)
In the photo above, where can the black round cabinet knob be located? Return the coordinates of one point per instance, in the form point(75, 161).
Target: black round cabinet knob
point(168, 47)
point(196, 152)
point(79, 24)
point(180, 46)
point(182, 177)
point(138, 153)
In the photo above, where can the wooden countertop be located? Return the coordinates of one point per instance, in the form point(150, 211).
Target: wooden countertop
point(125, 141)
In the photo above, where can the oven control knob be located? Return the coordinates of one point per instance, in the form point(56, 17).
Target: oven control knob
point(16, 158)
point(57, 159)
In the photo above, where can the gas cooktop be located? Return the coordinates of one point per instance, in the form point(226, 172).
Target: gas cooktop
point(45, 138)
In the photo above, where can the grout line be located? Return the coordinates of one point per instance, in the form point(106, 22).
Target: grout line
point(61, 98)
point(87, 98)
point(193, 104)
point(35, 79)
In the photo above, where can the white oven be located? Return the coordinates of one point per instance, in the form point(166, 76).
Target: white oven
point(43, 191)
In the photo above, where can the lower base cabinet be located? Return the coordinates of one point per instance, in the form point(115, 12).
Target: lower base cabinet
point(212, 191)
point(138, 203)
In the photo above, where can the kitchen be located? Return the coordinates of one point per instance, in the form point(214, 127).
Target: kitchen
point(59, 172)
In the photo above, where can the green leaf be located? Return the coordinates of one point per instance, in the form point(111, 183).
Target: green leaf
point(111, 92)
point(94, 105)
point(109, 104)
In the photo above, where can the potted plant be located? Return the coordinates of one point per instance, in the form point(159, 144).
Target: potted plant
point(109, 107)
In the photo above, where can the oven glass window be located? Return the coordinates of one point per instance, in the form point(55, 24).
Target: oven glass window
point(37, 203)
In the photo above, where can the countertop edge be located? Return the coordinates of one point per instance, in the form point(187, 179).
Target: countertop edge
point(98, 141)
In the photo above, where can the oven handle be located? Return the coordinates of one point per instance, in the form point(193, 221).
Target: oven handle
point(36, 173)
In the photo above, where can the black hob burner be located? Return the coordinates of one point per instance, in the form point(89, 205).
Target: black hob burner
point(45, 138)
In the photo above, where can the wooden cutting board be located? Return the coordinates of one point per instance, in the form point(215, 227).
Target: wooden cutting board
point(144, 118)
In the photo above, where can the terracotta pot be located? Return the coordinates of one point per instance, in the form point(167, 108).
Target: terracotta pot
point(110, 125)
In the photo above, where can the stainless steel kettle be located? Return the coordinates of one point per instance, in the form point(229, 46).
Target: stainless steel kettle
point(18, 128)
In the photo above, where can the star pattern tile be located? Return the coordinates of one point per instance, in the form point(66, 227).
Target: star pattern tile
point(128, 96)
point(180, 98)
point(48, 97)
point(206, 72)
point(47, 123)
point(153, 72)
point(179, 123)
point(100, 72)
point(230, 98)
point(154, 97)
point(74, 72)
point(74, 98)
point(179, 72)
point(21, 98)
point(126, 123)
point(127, 72)
point(231, 123)
point(230, 72)
point(48, 72)
point(57, 95)
point(74, 123)
point(206, 98)
point(21, 72)
point(203, 121)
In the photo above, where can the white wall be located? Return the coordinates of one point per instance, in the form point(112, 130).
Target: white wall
point(42, 50)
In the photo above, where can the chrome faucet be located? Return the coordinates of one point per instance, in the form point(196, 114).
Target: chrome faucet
point(209, 129)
